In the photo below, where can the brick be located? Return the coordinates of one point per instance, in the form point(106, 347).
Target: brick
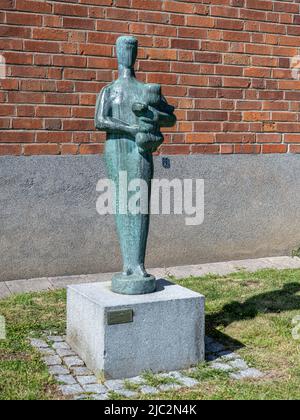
point(91, 149)
point(174, 149)
point(256, 116)
point(200, 21)
point(78, 23)
point(18, 58)
point(6, 4)
point(53, 111)
point(269, 138)
point(200, 138)
point(274, 148)
point(247, 148)
point(41, 149)
point(42, 46)
point(225, 66)
point(226, 149)
point(292, 138)
point(161, 54)
point(16, 137)
point(205, 149)
point(27, 124)
point(233, 138)
point(70, 10)
point(178, 7)
point(147, 4)
point(183, 44)
point(34, 6)
point(294, 148)
point(51, 34)
point(69, 61)
point(69, 149)
point(259, 4)
point(53, 137)
point(236, 25)
point(10, 149)
point(20, 18)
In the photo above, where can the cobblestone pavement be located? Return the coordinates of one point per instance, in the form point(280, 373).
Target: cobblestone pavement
point(50, 283)
point(79, 383)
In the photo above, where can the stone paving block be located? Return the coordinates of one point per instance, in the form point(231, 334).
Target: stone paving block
point(52, 360)
point(87, 380)
point(239, 364)
point(188, 382)
point(137, 380)
point(170, 375)
point(82, 397)
point(284, 262)
point(73, 361)
point(247, 374)
point(61, 345)
point(100, 397)
point(80, 381)
point(47, 352)
point(169, 387)
point(30, 285)
point(222, 366)
point(58, 370)
point(65, 353)
point(71, 389)
point(128, 394)
point(149, 390)
point(55, 338)
point(81, 371)
point(95, 389)
point(62, 282)
point(38, 343)
point(115, 384)
point(252, 265)
point(66, 379)
point(228, 355)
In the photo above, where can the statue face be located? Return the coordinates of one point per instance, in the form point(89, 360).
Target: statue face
point(127, 47)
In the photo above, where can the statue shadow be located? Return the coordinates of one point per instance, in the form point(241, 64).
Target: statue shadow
point(274, 302)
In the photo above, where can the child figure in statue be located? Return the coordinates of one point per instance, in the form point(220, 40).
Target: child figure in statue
point(149, 142)
point(132, 114)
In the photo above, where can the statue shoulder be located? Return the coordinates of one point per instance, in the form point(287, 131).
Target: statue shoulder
point(106, 89)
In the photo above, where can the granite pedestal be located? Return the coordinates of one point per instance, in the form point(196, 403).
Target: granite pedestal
point(123, 336)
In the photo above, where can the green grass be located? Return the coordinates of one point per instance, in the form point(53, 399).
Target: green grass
point(23, 376)
point(157, 380)
point(249, 313)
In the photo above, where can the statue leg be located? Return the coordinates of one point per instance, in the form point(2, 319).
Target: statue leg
point(122, 156)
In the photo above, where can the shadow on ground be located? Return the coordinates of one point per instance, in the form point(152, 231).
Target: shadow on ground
point(274, 302)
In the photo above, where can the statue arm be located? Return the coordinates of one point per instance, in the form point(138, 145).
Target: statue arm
point(105, 122)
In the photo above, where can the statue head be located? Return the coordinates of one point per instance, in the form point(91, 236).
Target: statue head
point(127, 47)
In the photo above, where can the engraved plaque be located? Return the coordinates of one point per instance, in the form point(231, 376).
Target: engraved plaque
point(120, 317)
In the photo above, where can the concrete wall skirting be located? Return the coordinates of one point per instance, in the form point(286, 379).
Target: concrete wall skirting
point(49, 225)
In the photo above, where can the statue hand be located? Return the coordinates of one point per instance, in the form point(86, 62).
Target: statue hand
point(146, 125)
point(134, 130)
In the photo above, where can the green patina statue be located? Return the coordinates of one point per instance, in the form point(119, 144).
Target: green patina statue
point(132, 113)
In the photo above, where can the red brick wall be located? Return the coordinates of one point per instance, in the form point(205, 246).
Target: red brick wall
point(224, 64)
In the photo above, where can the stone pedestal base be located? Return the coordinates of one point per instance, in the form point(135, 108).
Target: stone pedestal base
point(133, 285)
point(123, 336)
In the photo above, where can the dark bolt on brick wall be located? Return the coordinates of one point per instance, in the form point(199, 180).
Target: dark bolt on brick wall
point(228, 66)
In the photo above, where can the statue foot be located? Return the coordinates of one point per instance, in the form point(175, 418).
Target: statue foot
point(141, 271)
point(127, 271)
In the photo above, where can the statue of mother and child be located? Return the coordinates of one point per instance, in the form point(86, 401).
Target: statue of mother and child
point(132, 114)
